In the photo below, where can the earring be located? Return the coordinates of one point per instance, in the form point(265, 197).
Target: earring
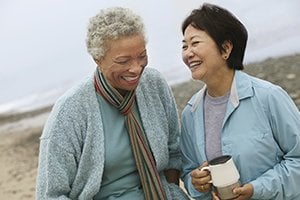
point(225, 57)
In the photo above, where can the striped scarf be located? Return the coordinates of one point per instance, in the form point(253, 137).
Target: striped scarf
point(142, 154)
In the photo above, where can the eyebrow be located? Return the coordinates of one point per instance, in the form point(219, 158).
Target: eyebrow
point(194, 36)
point(145, 50)
point(125, 56)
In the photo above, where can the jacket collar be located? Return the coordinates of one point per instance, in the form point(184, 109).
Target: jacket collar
point(241, 88)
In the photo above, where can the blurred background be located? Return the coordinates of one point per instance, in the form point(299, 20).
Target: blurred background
point(43, 53)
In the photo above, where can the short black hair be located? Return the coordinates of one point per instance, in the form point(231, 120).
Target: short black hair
point(221, 26)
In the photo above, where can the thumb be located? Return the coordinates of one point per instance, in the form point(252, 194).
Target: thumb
point(238, 190)
point(245, 190)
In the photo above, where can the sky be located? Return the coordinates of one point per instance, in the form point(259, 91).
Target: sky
point(42, 42)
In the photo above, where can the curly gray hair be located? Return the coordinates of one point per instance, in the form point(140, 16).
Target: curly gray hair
point(111, 23)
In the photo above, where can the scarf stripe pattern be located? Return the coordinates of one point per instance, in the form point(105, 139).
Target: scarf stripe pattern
point(145, 162)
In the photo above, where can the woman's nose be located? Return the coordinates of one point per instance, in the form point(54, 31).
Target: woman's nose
point(189, 53)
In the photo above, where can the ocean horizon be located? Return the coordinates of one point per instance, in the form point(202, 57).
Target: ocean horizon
point(43, 57)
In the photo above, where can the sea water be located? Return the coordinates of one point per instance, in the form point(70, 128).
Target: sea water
point(42, 43)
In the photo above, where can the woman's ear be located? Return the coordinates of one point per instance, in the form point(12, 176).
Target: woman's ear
point(227, 46)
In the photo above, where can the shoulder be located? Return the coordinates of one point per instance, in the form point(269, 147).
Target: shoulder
point(258, 83)
point(265, 88)
point(245, 80)
point(153, 80)
point(79, 92)
point(259, 88)
point(152, 76)
point(269, 95)
point(72, 109)
point(75, 101)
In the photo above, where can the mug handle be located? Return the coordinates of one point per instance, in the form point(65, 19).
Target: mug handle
point(206, 168)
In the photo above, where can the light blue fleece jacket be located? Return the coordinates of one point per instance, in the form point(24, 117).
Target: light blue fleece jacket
point(71, 159)
point(261, 130)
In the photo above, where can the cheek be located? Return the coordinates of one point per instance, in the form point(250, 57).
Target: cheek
point(104, 71)
point(109, 74)
point(184, 57)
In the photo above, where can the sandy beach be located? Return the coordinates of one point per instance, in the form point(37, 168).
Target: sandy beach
point(19, 134)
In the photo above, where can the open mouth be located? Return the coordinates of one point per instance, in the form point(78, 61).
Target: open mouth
point(194, 64)
point(131, 78)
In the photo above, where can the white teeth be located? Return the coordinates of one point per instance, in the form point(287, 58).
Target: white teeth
point(194, 64)
point(127, 78)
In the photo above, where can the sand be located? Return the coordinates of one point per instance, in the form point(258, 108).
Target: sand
point(19, 134)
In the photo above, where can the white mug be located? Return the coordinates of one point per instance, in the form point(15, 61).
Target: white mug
point(224, 175)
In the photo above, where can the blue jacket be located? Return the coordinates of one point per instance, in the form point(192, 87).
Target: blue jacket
point(71, 159)
point(261, 130)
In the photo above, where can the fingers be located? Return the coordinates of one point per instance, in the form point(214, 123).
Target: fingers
point(244, 192)
point(200, 177)
point(203, 188)
point(198, 173)
point(214, 196)
point(204, 164)
point(200, 180)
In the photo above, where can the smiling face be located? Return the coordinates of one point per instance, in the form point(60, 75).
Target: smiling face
point(201, 54)
point(124, 62)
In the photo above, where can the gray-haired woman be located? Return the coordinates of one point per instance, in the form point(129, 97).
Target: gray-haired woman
point(115, 134)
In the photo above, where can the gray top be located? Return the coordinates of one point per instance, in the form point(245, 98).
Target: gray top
point(214, 112)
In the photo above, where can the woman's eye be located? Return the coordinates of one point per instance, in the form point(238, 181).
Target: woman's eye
point(184, 47)
point(195, 43)
point(122, 62)
point(143, 56)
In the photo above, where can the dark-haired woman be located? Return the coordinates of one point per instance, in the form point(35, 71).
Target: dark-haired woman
point(251, 119)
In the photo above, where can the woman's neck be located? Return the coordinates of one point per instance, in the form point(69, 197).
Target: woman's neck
point(221, 84)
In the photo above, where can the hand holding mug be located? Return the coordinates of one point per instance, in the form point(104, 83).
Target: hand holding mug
point(224, 175)
point(244, 192)
point(201, 179)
